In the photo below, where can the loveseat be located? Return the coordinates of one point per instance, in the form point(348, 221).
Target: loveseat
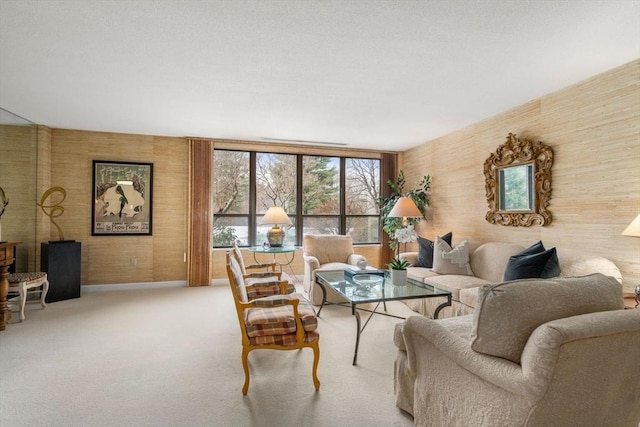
point(488, 262)
point(554, 352)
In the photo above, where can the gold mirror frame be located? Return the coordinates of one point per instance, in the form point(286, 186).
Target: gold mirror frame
point(515, 152)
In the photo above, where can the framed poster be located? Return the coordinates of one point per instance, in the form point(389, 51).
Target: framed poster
point(121, 198)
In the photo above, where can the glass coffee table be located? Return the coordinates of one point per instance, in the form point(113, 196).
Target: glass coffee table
point(368, 291)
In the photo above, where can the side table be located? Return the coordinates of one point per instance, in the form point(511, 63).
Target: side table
point(6, 258)
point(286, 250)
point(631, 300)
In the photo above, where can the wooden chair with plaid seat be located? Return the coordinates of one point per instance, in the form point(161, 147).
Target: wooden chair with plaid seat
point(261, 283)
point(276, 322)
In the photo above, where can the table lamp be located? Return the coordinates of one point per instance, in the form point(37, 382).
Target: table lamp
point(633, 230)
point(277, 216)
point(405, 208)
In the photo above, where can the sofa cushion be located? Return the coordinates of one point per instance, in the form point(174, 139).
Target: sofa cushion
point(419, 273)
point(533, 262)
point(490, 259)
point(425, 250)
point(507, 313)
point(454, 283)
point(529, 266)
point(447, 260)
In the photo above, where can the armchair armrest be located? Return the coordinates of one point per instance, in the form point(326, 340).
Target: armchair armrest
point(354, 258)
point(500, 372)
point(311, 261)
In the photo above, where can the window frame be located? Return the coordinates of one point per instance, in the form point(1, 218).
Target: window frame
point(299, 216)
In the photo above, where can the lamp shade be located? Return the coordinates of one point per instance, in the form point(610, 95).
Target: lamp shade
point(405, 207)
point(276, 215)
point(633, 229)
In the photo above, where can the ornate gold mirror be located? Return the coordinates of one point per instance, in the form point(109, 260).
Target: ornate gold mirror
point(518, 183)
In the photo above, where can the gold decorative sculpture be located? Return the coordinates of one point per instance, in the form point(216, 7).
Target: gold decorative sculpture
point(518, 183)
point(56, 210)
point(4, 201)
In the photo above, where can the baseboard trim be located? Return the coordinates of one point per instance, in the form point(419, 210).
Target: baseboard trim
point(132, 286)
point(219, 282)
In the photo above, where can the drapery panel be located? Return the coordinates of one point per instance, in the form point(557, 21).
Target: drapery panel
point(388, 174)
point(200, 211)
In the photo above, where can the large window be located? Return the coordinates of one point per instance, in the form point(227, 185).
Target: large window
point(327, 195)
point(231, 197)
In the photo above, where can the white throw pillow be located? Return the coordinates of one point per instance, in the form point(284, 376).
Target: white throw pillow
point(447, 260)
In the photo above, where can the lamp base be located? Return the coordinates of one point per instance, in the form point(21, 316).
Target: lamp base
point(275, 236)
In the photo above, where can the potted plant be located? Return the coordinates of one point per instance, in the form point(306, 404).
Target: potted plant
point(419, 196)
point(398, 271)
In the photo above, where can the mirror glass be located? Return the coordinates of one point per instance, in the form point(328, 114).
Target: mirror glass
point(18, 174)
point(516, 187)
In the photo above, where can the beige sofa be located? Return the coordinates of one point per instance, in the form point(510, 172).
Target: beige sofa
point(553, 352)
point(488, 262)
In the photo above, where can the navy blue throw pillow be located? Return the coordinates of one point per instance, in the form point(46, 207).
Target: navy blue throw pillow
point(533, 262)
point(425, 250)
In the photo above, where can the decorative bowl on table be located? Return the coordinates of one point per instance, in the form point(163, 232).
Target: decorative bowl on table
point(364, 283)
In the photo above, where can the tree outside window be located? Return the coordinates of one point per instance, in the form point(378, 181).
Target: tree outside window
point(324, 195)
point(231, 197)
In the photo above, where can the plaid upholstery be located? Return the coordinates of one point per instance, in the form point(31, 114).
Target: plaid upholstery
point(276, 322)
point(264, 287)
point(237, 253)
point(238, 279)
point(257, 287)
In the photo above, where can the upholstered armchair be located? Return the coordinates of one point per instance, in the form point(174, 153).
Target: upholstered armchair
point(325, 252)
point(555, 352)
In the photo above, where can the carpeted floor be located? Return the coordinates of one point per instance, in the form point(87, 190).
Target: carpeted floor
point(171, 357)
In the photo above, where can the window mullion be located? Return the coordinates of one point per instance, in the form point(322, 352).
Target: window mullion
point(343, 196)
point(299, 198)
point(253, 226)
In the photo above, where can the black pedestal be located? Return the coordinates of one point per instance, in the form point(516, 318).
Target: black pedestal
point(61, 262)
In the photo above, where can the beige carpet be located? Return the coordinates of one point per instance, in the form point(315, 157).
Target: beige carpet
point(171, 357)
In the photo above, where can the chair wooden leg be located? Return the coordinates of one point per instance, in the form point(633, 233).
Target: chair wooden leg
point(245, 366)
point(316, 359)
point(43, 294)
point(22, 292)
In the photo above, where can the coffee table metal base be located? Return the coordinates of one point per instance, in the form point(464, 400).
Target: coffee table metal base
point(354, 312)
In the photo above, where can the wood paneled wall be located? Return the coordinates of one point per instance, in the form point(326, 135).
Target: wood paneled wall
point(594, 129)
point(108, 259)
point(18, 153)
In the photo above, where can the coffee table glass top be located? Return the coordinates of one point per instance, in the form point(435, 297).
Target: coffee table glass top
point(384, 291)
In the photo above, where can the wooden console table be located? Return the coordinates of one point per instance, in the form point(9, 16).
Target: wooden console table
point(6, 258)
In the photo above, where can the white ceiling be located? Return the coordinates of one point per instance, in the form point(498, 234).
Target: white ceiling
point(371, 74)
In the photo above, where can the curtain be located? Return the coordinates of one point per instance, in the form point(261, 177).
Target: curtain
point(200, 211)
point(388, 174)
